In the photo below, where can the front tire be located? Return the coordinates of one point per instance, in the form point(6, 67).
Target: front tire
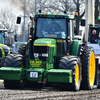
point(72, 63)
point(88, 68)
point(14, 60)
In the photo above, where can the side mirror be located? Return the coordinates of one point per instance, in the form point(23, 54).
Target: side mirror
point(18, 20)
point(83, 22)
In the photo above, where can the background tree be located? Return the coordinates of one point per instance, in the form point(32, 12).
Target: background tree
point(35, 5)
point(7, 19)
point(59, 6)
point(50, 6)
point(79, 9)
point(96, 11)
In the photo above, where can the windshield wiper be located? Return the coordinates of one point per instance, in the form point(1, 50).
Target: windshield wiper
point(57, 24)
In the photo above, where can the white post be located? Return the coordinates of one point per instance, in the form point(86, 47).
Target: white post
point(24, 22)
point(89, 16)
point(35, 6)
point(91, 12)
point(86, 17)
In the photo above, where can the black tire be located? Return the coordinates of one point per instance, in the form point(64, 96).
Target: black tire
point(98, 86)
point(22, 49)
point(2, 61)
point(96, 83)
point(88, 68)
point(72, 63)
point(13, 84)
point(97, 79)
point(13, 60)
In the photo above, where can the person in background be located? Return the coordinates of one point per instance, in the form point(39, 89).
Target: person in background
point(93, 37)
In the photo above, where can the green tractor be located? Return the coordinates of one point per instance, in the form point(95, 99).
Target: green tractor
point(51, 56)
point(4, 49)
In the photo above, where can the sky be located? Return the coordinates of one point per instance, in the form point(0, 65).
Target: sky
point(2, 4)
point(14, 7)
point(8, 4)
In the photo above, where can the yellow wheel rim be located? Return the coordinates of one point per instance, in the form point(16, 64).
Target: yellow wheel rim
point(92, 69)
point(22, 65)
point(77, 74)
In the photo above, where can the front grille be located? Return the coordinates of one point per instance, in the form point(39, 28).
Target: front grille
point(40, 50)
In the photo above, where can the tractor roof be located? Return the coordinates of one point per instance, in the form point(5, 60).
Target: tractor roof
point(54, 16)
point(95, 25)
point(3, 30)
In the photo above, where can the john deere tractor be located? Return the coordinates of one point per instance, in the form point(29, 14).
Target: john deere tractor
point(51, 56)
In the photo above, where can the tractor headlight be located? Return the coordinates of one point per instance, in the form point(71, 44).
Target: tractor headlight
point(44, 55)
point(36, 54)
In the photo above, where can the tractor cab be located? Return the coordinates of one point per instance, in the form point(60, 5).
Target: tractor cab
point(2, 36)
point(96, 44)
point(57, 27)
point(51, 28)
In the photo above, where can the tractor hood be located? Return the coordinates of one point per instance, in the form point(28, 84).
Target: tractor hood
point(45, 42)
point(45, 48)
point(4, 46)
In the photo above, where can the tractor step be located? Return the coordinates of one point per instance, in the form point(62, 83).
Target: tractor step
point(59, 75)
point(11, 73)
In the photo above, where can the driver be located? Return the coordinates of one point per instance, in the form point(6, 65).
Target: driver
point(54, 28)
point(93, 37)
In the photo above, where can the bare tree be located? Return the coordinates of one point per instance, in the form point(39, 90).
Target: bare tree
point(97, 5)
point(35, 5)
point(60, 6)
point(79, 4)
point(7, 19)
point(49, 6)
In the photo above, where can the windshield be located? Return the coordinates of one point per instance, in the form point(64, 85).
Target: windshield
point(2, 37)
point(53, 28)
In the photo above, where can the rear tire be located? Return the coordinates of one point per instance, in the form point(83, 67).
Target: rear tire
point(88, 68)
point(22, 49)
point(72, 63)
point(14, 60)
